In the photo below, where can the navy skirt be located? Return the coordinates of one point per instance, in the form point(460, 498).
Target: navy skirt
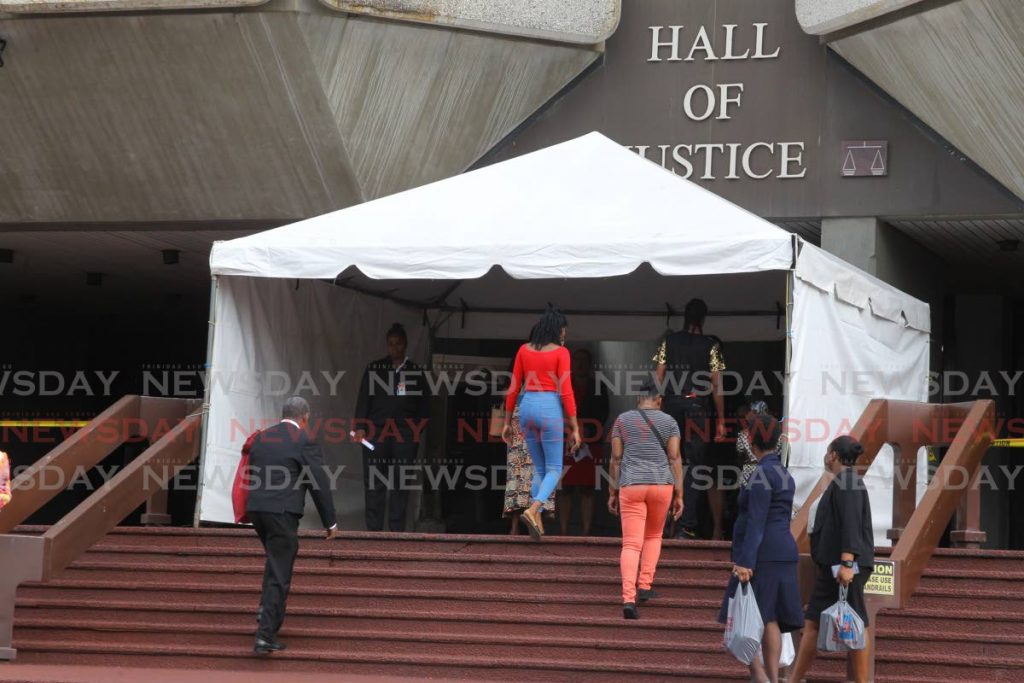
point(777, 589)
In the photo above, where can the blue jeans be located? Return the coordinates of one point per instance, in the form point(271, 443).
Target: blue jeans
point(540, 415)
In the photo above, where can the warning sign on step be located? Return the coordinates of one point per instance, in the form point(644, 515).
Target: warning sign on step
point(883, 580)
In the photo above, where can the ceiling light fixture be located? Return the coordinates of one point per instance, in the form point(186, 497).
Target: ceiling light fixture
point(1008, 245)
point(94, 279)
point(6, 256)
point(171, 256)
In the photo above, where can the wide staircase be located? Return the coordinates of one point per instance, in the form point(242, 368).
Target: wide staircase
point(473, 607)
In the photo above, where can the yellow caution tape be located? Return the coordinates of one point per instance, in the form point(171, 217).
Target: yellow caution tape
point(43, 423)
point(1008, 443)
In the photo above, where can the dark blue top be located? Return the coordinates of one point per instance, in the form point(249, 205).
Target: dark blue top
point(762, 530)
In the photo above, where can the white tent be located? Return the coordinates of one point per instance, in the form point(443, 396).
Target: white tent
point(616, 241)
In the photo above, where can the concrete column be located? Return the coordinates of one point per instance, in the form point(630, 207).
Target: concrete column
point(881, 250)
point(852, 239)
point(981, 344)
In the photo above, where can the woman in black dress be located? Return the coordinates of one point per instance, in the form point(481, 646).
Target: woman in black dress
point(763, 550)
point(841, 536)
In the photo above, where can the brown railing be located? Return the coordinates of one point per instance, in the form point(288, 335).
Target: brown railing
point(917, 528)
point(171, 427)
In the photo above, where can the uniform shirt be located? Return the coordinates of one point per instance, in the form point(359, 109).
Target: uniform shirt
point(761, 533)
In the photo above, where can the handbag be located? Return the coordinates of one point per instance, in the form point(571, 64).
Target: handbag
point(497, 424)
point(243, 483)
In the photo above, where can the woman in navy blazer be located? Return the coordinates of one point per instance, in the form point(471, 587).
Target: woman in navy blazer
point(763, 550)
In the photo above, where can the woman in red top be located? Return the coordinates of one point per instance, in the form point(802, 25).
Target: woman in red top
point(542, 373)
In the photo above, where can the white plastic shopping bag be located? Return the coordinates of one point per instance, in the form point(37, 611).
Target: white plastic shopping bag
point(841, 628)
point(744, 627)
point(788, 654)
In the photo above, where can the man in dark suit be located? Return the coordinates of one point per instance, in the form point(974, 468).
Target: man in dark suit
point(283, 464)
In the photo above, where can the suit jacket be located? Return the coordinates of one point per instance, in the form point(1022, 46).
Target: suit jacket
point(843, 522)
point(284, 464)
point(761, 533)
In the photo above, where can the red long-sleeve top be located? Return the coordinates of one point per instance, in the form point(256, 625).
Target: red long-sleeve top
point(542, 371)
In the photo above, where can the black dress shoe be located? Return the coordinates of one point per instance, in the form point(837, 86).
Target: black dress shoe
point(629, 611)
point(265, 647)
point(645, 594)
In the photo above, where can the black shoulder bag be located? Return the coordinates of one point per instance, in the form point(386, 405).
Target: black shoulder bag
point(657, 434)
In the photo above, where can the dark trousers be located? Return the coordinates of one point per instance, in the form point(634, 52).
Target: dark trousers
point(383, 478)
point(695, 429)
point(279, 534)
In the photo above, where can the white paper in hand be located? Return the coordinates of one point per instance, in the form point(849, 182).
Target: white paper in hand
point(363, 441)
point(582, 453)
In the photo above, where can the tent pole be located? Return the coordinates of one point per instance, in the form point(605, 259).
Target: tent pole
point(789, 353)
point(212, 330)
point(468, 308)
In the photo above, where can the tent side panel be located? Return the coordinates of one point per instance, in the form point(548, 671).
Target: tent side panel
point(273, 341)
point(843, 357)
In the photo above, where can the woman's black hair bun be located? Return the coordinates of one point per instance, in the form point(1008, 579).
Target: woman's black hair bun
point(847, 448)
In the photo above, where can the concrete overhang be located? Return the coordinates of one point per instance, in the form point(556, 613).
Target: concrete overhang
point(584, 22)
point(820, 17)
point(69, 6)
point(958, 65)
point(580, 22)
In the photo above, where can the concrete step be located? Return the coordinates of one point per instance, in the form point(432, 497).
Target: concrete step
point(423, 666)
point(578, 628)
point(547, 583)
point(623, 645)
point(187, 558)
point(521, 604)
point(454, 607)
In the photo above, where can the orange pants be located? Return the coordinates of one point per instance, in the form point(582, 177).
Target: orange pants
point(643, 510)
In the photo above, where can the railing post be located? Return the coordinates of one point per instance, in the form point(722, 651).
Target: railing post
point(21, 559)
point(904, 488)
point(967, 531)
point(156, 510)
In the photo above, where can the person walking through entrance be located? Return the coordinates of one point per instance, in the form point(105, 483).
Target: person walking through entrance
point(284, 463)
point(542, 372)
point(843, 550)
point(689, 366)
point(646, 477)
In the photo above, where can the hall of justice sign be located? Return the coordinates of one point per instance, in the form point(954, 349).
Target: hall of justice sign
point(720, 102)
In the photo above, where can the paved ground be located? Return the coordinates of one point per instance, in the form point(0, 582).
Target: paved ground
point(32, 673)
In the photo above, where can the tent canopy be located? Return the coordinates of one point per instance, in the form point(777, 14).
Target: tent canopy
point(587, 208)
point(613, 239)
